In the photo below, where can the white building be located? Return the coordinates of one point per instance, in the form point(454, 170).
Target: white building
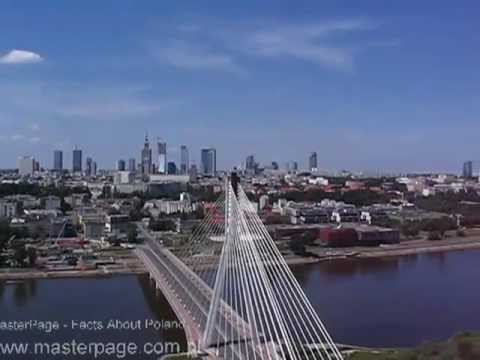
point(263, 202)
point(123, 177)
point(26, 165)
point(8, 208)
point(52, 203)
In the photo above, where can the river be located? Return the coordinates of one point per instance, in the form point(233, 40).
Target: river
point(373, 302)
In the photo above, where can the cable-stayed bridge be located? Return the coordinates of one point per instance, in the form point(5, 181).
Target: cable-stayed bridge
point(233, 291)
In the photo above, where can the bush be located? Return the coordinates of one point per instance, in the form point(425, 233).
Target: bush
point(434, 235)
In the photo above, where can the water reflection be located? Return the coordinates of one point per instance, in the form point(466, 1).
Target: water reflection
point(396, 301)
point(24, 291)
point(159, 306)
point(122, 298)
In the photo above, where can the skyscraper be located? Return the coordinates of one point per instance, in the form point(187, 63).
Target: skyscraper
point(171, 168)
point(146, 157)
point(131, 165)
point(193, 173)
point(58, 160)
point(313, 162)
point(89, 167)
point(26, 165)
point(77, 160)
point(162, 157)
point(184, 161)
point(121, 165)
point(209, 161)
point(250, 163)
point(292, 166)
point(468, 169)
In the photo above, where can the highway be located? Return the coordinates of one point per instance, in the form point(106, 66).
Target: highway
point(190, 298)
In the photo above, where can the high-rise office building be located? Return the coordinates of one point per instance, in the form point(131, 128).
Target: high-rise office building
point(171, 168)
point(58, 160)
point(162, 157)
point(250, 163)
point(292, 166)
point(26, 165)
point(89, 167)
point(131, 165)
point(77, 160)
point(121, 165)
point(313, 161)
point(146, 157)
point(467, 169)
point(184, 161)
point(193, 173)
point(209, 161)
point(94, 168)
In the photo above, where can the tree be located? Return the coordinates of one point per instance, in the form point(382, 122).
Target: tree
point(64, 206)
point(32, 256)
point(410, 229)
point(132, 235)
point(434, 235)
point(309, 237)
point(162, 225)
point(135, 215)
point(39, 232)
point(297, 246)
point(5, 233)
point(20, 253)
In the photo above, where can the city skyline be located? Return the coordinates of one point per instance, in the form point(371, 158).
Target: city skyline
point(369, 87)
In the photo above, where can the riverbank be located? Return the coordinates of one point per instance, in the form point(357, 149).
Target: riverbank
point(412, 247)
point(464, 346)
point(125, 263)
point(131, 265)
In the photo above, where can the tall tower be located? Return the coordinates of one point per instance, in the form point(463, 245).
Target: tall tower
point(250, 164)
point(131, 165)
point(58, 160)
point(313, 162)
point(77, 160)
point(162, 157)
point(146, 157)
point(184, 161)
point(467, 169)
point(209, 161)
point(88, 168)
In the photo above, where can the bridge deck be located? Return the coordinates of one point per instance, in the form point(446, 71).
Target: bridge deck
point(178, 283)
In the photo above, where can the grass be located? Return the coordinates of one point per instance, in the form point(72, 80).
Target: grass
point(465, 346)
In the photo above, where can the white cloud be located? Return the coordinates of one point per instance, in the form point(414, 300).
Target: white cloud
point(34, 139)
point(318, 43)
point(109, 109)
point(329, 43)
point(20, 57)
point(192, 57)
point(33, 127)
point(16, 137)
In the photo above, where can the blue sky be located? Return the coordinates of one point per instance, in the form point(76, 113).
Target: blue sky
point(370, 85)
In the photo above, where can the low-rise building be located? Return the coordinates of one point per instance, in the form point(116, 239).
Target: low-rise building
point(8, 208)
point(93, 229)
point(345, 214)
point(117, 223)
point(52, 202)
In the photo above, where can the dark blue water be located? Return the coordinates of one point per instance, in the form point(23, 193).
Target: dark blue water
point(90, 300)
point(400, 301)
point(377, 302)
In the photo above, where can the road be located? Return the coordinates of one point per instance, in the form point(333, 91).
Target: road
point(190, 297)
